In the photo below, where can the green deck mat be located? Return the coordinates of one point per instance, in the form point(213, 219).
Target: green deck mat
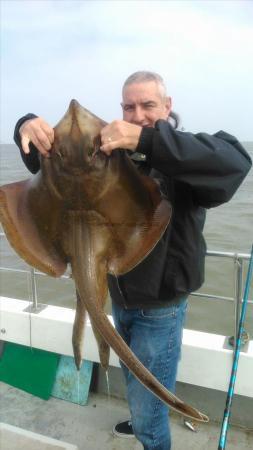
point(29, 369)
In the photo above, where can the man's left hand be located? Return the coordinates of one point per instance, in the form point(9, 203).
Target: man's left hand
point(120, 134)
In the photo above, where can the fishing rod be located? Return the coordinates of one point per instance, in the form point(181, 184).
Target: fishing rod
point(227, 411)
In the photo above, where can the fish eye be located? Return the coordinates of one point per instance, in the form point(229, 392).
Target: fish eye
point(59, 152)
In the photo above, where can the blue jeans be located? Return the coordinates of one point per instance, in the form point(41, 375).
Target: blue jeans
point(155, 336)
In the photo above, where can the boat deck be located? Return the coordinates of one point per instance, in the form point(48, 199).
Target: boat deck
point(89, 427)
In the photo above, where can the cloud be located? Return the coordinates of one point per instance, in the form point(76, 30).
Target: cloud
point(53, 51)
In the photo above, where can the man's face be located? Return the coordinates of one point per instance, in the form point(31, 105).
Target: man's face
point(143, 104)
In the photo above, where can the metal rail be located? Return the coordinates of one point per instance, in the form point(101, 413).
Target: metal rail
point(238, 259)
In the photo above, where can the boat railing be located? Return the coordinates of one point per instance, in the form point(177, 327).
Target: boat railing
point(239, 259)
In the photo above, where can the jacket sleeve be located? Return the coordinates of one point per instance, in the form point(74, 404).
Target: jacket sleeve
point(31, 159)
point(213, 166)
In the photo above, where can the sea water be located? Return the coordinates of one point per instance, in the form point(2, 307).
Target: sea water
point(228, 228)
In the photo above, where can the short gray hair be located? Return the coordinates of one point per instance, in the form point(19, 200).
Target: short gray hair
point(145, 75)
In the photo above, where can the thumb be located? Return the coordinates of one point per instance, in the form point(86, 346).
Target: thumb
point(25, 144)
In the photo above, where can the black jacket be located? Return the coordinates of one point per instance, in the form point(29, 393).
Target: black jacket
point(195, 172)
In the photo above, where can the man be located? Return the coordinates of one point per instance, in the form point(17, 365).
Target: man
point(195, 172)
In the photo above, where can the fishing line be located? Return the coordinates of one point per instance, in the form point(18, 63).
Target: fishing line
point(230, 393)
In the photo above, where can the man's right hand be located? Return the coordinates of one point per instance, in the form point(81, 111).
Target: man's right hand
point(39, 133)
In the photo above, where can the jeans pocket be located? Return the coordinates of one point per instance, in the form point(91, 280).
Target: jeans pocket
point(160, 313)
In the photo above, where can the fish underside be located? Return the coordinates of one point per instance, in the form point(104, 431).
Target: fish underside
point(98, 214)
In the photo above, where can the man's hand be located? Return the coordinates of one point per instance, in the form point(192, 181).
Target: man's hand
point(39, 133)
point(120, 134)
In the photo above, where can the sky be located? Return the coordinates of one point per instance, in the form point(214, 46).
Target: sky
point(53, 51)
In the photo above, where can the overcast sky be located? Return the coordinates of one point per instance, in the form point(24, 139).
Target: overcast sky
point(53, 51)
